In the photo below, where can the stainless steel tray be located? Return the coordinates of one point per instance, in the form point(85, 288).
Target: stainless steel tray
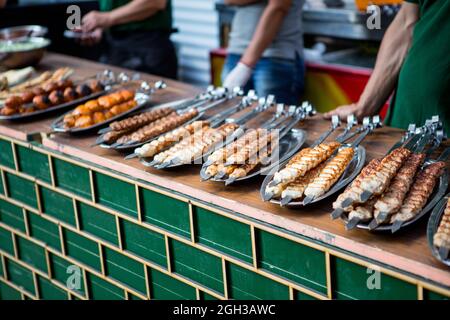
point(433, 224)
point(60, 107)
point(437, 194)
point(353, 169)
point(288, 146)
point(58, 125)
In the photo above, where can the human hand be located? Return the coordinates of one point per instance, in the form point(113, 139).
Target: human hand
point(345, 110)
point(91, 38)
point(94, 20)
point(238, 77)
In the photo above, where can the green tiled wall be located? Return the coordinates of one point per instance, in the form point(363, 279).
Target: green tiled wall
point(72, 178)
point(167, 213)
point(98, 223)
point(293, 261)
point(44, 230)
point(8, 293)
point(351, 281)
point(66, 273)
point(32, 254)
point(197, 262)
point(6, 242)
point(48, 291)
point(223, 234)
point(82, 249)
point(33, 163)
point(116, 194)
point(144, 243)
point(244, 284)
point(100, 289)
point(197, 265)
point(21, 189)
point(164, 287)
point(125, 270)
point(12, 215)
point(20, 276)
point(6, 154)
point(57, 205)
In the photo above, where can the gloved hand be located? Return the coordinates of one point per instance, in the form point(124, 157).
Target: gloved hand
point(238, 77)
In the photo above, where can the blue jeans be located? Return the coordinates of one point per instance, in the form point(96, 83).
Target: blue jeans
point(281, 77)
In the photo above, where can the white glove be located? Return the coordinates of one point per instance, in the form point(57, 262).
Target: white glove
point(238, 77)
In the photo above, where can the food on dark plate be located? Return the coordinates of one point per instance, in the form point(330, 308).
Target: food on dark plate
point(441, 238)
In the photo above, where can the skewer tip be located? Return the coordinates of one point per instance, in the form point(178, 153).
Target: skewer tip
point(229, 181)
point(131, 156)
point(307, 200)
point(352, 224)
point(396, 225)
point(373, 224)
point(284, 201)
point(347, 202)
point(336, 213)
point(267, 196)
point(365, 196)
point(443, 253)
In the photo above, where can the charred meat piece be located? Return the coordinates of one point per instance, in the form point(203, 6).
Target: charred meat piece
point(442, 236)
point(140, 119)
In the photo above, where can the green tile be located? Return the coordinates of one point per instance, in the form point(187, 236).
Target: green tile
point(133, 297)
point(247, 285)
point(6, 154)
point(291, 260)
point(12, 215)
point(72, 178)
point(100, 289)
point(352, 281)
point(44, 230)
point(67, 274)
point(48, 291)
point(32, 254)
point(9, 293)
point(21, 189)
point(33, 163)
point(125, 270)
point(2, 272)
point(98, 223)
point(223, 234)
point(57, 205)
point(165, 212)
point(205, 296)
point(164, 287)
point(6, 242)
point(82, 249)
point(197, 265)
point(143, 242)
point(116, 194)
point(302, 296)
point(430, 295)
point(20, 276)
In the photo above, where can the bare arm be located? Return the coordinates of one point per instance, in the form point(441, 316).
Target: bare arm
point(135, 10)
point(266, 30)
point(393, 50)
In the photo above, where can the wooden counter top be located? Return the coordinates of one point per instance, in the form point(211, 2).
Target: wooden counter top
point(407, 250)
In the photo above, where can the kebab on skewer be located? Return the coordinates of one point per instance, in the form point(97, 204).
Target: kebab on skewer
point(306, 162)
point(419, 193)
point(391, 200)
point(441, 238)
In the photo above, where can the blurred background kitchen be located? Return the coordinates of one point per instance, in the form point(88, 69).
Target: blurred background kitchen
point(340, 50)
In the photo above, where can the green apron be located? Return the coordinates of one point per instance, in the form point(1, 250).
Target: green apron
point(162, 20)
point(423, 88)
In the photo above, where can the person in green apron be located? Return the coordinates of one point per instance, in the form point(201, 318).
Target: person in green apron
point(136, 33)
point(413, 61)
